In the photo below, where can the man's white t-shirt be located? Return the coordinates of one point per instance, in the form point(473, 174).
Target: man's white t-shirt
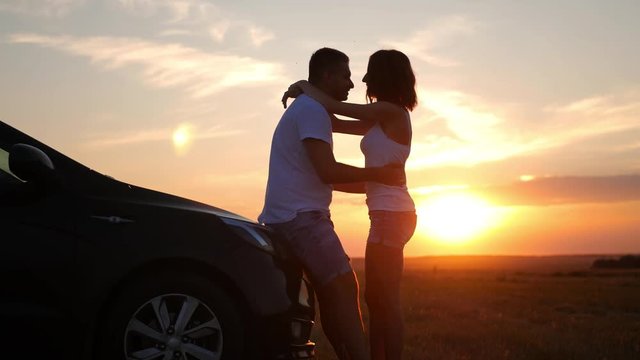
point(293, 185)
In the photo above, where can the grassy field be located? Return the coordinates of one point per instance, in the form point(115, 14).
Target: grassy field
point(514, 308)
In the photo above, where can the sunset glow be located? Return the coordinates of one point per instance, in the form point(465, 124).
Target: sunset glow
point(455, 218)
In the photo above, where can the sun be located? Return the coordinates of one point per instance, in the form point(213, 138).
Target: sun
point(182, 137)
point(455, 218)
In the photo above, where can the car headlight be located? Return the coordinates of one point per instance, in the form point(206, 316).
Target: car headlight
point(252, 233)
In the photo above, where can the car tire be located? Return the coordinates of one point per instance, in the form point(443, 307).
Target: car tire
point(171, 314)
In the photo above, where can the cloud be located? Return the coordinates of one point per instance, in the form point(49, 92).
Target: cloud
point(587, 105)
point(176, 32)
point(610, 107)
point(260, 36)
point(423, 44)
point(453, 128)
point(175, 11)
point(131, 138)
point(200, 16)
point(199, 73)
point(43, 8)
point(164, 134)
point(592, 116)
point(461, 129)
point(219, 31)
point(565, 190)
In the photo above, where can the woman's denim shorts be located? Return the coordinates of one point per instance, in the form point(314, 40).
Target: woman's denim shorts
point(391, 228)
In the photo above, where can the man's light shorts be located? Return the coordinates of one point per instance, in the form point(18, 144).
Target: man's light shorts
point(314, 242)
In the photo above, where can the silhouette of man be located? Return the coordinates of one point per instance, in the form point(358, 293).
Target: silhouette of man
point(302, 169)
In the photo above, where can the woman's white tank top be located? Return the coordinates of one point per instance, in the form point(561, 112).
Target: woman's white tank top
point(380, 150)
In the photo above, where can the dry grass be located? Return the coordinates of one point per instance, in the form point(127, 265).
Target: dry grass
point(515, 308)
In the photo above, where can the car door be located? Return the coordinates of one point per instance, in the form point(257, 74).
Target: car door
point(37, 261)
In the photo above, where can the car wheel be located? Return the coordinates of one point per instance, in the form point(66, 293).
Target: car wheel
point(173, 317)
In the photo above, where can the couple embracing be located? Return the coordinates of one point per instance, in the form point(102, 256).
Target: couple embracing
point(303, 173)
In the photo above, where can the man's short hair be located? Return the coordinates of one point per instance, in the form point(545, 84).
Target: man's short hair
point(325, 60)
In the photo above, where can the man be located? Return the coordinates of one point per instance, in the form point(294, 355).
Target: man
point(302, 169)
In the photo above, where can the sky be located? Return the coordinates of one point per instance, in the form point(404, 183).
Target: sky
point(526, 139)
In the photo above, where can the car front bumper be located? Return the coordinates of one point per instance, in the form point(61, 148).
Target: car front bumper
point(287, 336)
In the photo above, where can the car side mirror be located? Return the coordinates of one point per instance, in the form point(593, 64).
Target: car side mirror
point(31, 164)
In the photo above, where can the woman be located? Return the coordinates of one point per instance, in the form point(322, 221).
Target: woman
point(385, 125)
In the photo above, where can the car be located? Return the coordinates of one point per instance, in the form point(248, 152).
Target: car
point(95, 268)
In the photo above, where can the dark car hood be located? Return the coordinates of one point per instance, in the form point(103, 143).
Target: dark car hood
point(114, 190)
point(82, 179)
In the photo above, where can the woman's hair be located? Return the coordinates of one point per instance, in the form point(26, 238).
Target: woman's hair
point(390, 78)
point(325, 60)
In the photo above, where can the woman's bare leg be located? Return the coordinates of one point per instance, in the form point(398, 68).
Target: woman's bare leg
point(383, 269)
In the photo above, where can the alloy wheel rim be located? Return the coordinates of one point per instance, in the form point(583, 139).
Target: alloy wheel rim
point(173, 327)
